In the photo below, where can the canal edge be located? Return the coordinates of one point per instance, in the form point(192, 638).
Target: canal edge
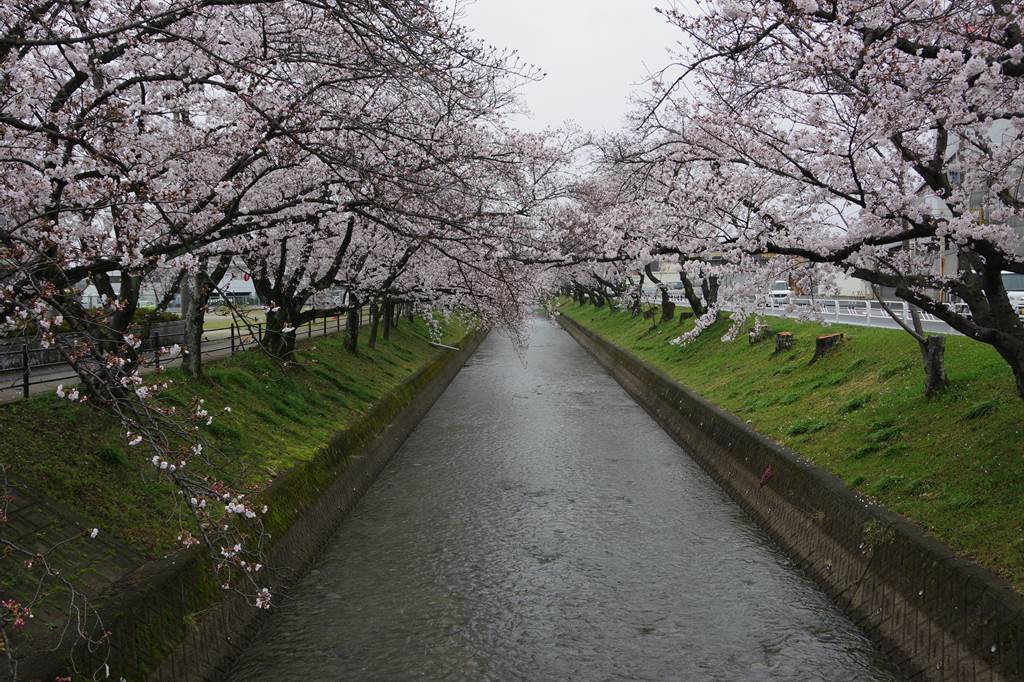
point(175, 624)
point(935, 615)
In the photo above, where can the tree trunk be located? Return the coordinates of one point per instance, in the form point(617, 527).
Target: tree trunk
point(277, 341)
point(409, 310)
point(120, 321)
point(352, 328)
point(709, 287)
point(193, 311)
point(696, 305)
point(1012, 351)
point(109, 335)
point(374, 323)
point(196, 290)
point(388, 314)
point(1018, 373)
point(933, 352)
point(605, 286)
point(636, 300)
point(933, 348)
point(668, 308)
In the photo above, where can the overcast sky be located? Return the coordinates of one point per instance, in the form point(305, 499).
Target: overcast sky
point(594, 52)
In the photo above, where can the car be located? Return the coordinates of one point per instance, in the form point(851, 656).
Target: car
point(779, 291)
point(959, 307)
point(1013, 282)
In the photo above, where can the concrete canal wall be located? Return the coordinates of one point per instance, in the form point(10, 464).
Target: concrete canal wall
point(321, 498)
point(171, 619)
point(937, 616)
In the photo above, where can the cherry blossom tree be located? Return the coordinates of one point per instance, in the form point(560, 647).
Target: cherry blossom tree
point(356, 145)
point(869, 136)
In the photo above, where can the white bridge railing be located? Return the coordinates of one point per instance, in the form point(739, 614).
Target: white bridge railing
point(861, 312)
point(837, 308)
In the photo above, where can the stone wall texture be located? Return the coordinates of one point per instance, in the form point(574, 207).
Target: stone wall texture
point(937, 616)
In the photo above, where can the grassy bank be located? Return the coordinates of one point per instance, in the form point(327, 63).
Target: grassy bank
point(953, 464)
point(77, 459)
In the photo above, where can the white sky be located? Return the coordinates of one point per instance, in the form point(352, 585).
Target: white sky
point(595, 53)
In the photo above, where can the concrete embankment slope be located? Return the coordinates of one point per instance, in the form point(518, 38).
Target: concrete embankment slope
point(321, 493)
point(171, 620)
point(937, 616)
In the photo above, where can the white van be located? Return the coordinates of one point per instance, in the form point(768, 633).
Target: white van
point(779, 291)
point(1014, 284)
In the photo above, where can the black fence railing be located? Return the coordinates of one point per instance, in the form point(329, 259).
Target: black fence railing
point(18, 378)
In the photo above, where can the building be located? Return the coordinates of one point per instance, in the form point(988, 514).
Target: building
point(238, 289)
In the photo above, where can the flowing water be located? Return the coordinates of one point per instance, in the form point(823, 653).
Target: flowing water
point(538, 525)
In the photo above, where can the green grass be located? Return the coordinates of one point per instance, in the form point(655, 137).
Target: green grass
point(76, 457)
point(954, 464)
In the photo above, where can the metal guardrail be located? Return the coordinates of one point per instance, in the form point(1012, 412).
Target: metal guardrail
point(238, 338)
point(836, 307)
point(863, 312)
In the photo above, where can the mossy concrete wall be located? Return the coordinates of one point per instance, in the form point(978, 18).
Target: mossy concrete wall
point(171, 621)
point(937, 616)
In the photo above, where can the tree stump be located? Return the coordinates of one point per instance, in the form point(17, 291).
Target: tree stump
point(783, 342)
point(759, 334)
point(823, 344)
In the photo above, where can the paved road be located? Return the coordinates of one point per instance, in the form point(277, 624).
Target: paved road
point(539, 525)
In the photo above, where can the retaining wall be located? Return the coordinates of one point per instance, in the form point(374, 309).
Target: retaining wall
point(938, 617)
point(170, 620)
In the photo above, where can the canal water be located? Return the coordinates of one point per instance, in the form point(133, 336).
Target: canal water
point(539, 525)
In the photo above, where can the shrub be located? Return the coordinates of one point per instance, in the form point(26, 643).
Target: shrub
point(143, 315)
